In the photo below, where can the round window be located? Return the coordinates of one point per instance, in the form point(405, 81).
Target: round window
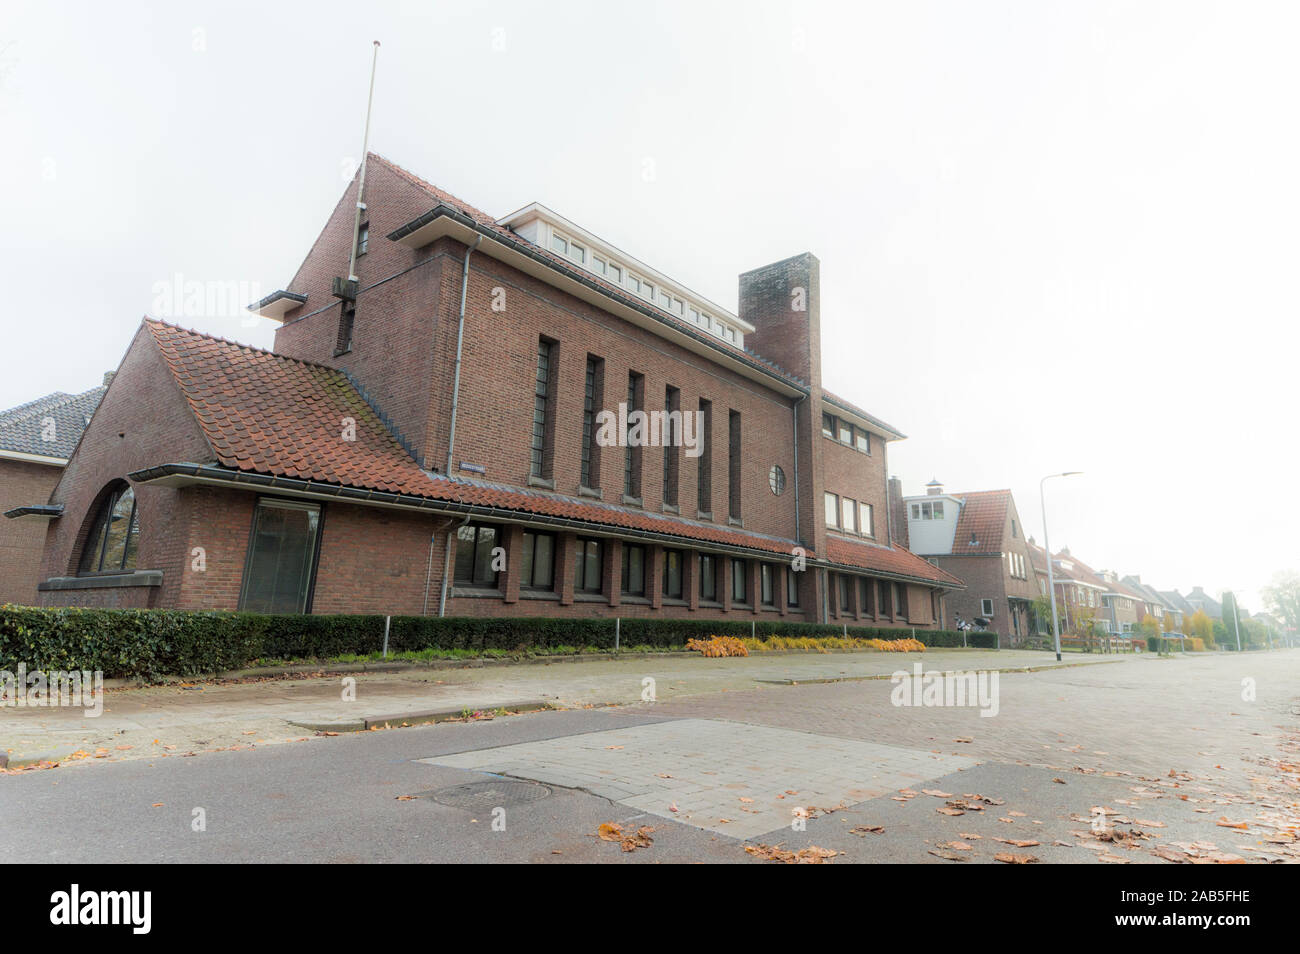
point(776, 479)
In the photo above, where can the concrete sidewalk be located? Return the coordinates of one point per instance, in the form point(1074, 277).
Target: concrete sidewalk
point(173, 720)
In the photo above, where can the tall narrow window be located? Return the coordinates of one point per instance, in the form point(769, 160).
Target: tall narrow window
point(704, 463)
point(733, 465)
point(587, 573)
point(832, 509)
point(708, 578)
point(633, 569)
point(538, 561)
point(591, 401)
point(674, 560)
point(848, 515)
point(791, 587)
point(281, 563)
point(739, 581)
point(363, 239)
point(543, 410)
point(866, 520)
point(767, 595)
point(111, 546)
point(883, 607)
point(632, 453)
point(474, 562)
point(347, 320)
point(672, 441)
point(842, 584)
point(866, 592)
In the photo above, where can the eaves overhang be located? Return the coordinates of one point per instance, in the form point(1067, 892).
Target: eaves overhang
point(190, 474)
point(277, 304)
point(36, 510)
point(446, 221)
point(30, 458)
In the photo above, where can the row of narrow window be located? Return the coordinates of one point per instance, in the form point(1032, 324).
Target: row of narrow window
point(542, 449)
point(475, 566)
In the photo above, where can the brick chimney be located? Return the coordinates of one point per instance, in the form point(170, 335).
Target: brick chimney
point(783, 303)
point(934, 488)
point(897, 513)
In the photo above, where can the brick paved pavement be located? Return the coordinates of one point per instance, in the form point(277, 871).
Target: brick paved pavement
point(729, 777)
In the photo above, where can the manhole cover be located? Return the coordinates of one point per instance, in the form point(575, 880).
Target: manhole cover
point(485, 796)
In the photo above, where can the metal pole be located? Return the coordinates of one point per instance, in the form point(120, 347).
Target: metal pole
point(387, 622)
point(617, 626)
point(1235, 625)
point(361, 185)
point(1051, 580)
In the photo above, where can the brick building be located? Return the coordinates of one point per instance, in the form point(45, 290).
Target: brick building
point(429, 438)
point(36, 440)
point(979, 538)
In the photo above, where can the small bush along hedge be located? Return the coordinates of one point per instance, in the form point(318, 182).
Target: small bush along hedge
point(153, 643)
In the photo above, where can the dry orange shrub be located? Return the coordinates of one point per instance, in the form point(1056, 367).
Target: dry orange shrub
point(718, 646)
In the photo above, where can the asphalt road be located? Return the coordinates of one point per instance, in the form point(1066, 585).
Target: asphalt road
point(369, 797)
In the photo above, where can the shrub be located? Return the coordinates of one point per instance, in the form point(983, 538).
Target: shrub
point(154, 643)
point(717, 646)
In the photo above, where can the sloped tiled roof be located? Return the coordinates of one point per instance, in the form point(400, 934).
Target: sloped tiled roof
point(882, 559)
point(23, 429)
point(267, 414)
point(983, 518)
point(1176, 600)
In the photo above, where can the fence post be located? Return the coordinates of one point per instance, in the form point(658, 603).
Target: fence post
point(387, 621)
point(617, 627)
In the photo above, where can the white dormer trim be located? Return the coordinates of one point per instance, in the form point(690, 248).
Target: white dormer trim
point(548, 229)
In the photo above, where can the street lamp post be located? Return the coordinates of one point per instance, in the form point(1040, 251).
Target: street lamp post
point(1047, 545)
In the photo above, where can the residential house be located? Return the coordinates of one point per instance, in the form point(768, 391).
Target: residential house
point(1079, 591)
point(979, 538)
point(1154, 604)
point(36, 440)
point(496, 417)
point(1198, 599)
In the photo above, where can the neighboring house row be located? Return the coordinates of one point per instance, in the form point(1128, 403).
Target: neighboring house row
point(36, 440)
point(979, 537)
point(429, 438)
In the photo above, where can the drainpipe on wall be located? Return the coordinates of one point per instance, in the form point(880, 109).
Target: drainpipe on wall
point(794, 414)
point(455, 403)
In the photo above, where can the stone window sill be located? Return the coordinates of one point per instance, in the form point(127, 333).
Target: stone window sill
point(106, 581)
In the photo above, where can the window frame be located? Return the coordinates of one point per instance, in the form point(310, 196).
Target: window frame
point(283, 503)
point(531, 584)
point(580, 566)
point(473, 580)
point(668, 591)
point(102, 518)
point(741, 567)
point(626, 571)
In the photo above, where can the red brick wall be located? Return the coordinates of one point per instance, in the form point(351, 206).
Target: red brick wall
point(143, 420)
point(22, 540)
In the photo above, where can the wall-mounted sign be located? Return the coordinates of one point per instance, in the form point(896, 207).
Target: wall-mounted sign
point(473, 468)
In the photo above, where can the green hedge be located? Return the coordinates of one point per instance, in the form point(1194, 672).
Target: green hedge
point(153, 643)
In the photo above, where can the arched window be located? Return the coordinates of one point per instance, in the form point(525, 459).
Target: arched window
point(112, 543)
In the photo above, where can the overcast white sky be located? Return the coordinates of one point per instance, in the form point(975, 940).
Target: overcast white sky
point(1071, 226)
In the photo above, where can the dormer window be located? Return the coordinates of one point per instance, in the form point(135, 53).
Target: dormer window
point(560, 244)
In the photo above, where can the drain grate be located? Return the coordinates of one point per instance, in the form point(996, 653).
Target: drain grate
point(485, 796)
